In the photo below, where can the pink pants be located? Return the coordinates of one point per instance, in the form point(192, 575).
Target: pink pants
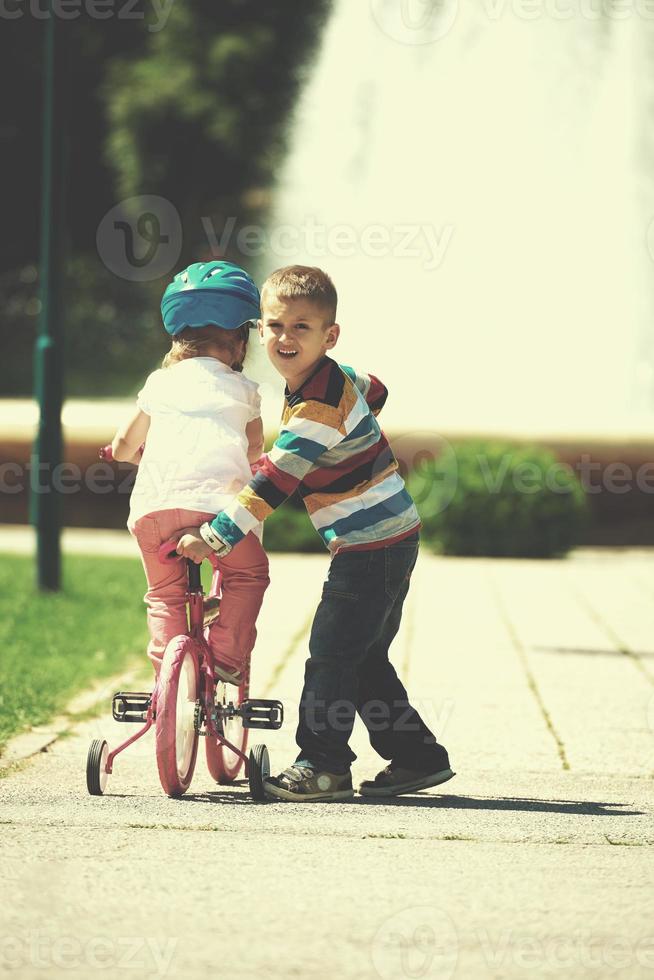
point(244, 580)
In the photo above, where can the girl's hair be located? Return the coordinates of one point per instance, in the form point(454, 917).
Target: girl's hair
point(202, 341)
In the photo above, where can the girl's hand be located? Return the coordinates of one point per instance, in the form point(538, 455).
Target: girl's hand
point(258, 463)
point(191, 545)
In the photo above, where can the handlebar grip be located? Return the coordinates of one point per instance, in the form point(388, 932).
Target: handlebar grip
point(106, 452)
point(167, 553)
point(258, 463)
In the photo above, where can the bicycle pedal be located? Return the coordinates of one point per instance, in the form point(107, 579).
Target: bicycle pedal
point(130, 706)
point(261, 713)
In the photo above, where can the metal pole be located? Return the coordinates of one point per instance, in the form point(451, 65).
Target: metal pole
point(48, 357)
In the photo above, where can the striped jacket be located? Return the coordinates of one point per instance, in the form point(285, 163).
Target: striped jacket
point(330, 448)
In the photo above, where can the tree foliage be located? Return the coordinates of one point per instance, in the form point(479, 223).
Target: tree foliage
point(195, 112)
point(199, 117)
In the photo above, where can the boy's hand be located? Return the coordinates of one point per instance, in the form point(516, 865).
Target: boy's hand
point(191, 545)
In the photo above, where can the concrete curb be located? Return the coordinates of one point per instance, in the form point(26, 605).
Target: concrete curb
point(20, 539)
point(42, 737)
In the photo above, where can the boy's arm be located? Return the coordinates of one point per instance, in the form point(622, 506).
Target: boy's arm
point(130, 437)
point(372, 389)
point(310, 431)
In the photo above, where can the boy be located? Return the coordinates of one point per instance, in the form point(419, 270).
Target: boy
point(331, 449)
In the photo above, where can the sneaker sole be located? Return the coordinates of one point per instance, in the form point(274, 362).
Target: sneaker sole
point(278, 793)
point(435, 779)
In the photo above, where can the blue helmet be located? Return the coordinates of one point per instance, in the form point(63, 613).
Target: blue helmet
point(218, 293)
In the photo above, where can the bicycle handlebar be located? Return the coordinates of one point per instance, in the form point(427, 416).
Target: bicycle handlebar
point(168, 554)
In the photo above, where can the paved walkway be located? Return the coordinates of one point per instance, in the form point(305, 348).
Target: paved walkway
point(535, 861)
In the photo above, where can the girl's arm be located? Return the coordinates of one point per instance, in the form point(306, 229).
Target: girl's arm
point(254, 433)
point(129, 439)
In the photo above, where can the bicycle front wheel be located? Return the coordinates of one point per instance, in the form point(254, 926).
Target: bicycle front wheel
point(176, 735)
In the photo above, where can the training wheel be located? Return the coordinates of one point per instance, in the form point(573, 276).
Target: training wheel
point(96, 772)
point(258, 770)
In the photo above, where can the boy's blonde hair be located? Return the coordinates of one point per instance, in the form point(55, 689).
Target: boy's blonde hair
point(201, 341)
point(302, 282)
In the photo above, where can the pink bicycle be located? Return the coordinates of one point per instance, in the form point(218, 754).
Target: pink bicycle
point(188, 703)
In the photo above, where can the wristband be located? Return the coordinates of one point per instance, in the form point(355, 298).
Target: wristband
point(215, 542)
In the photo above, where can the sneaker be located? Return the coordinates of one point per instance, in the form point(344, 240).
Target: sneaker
point(394, 780)
point(228, 674)
point(306, 785)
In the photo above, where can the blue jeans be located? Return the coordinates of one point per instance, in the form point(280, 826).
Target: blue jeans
point(348, 670)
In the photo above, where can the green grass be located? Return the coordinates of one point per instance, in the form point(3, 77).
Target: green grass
point(54, 645)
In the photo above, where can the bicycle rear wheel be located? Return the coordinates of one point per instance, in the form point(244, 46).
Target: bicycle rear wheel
point(223, 764)
point(176, 736)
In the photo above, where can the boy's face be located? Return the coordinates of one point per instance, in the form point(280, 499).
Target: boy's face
point(296, 335)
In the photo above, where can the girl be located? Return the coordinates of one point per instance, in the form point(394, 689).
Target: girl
point(202, 420)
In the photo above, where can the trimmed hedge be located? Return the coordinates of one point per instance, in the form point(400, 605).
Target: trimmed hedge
point(479, 498)
point(289, 529)
point(499, 499)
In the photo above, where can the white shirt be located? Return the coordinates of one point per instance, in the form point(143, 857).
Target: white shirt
point(195, 454)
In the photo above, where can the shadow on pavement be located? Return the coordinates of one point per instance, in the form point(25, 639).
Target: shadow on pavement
point(573, 807)
point(582, 808)
point(593, 651)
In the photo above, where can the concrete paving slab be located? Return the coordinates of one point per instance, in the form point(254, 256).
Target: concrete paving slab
point(595, 698)
point(467, 674)
point(517, 867)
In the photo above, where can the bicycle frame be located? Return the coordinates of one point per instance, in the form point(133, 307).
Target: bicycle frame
point(195, 609)
point(195, 597)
